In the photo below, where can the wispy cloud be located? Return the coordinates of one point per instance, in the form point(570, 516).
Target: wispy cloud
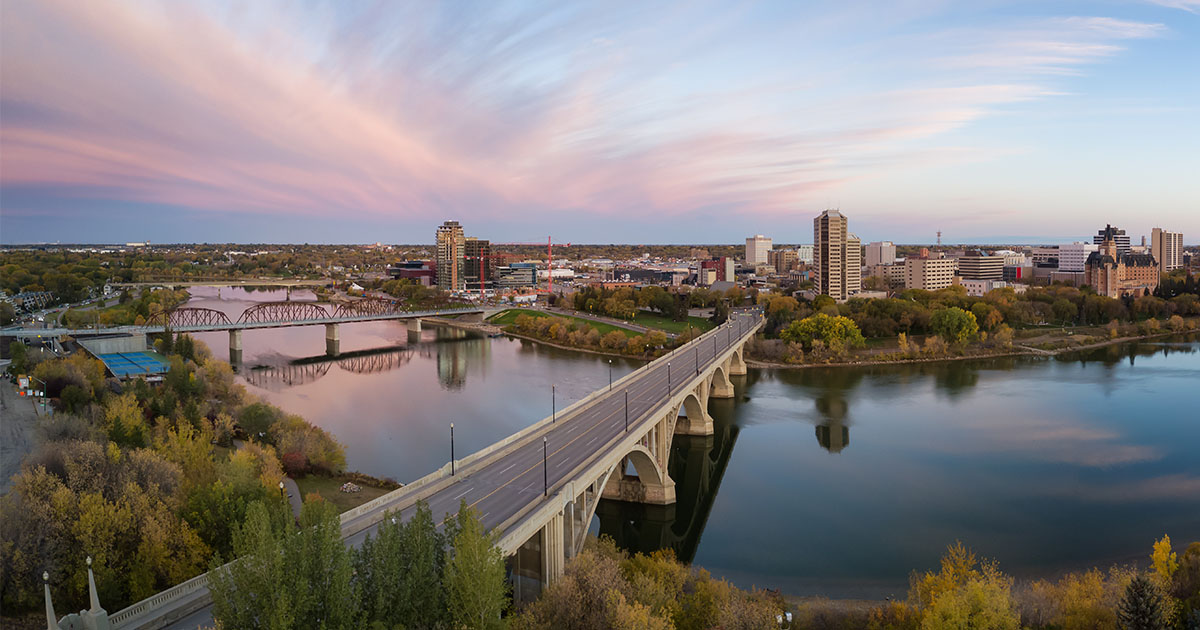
point(1192, 6)
point(400, 110)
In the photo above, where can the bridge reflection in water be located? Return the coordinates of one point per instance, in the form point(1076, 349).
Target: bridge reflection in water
point(456, 351)
point(697, 464)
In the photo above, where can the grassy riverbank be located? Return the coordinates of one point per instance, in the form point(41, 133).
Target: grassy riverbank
point(508, 318)
point(329, 488)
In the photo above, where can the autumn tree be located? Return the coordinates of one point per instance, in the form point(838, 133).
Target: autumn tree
point(476, 589)
point(824, 328)
point(954, 325)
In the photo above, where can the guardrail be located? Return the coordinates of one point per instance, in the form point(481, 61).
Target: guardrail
point(402, 497)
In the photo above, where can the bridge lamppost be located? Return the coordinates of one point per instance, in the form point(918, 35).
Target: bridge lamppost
point(627, 411)
point(669, 388)
point(610, 375)
point(451, 449)
point(545, 470)
point(553, 404)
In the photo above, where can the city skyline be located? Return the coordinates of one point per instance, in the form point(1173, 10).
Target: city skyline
point(178, 123)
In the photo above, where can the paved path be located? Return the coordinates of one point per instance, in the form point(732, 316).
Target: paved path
point(18, 420)
point(502, 486)
point(619, 323)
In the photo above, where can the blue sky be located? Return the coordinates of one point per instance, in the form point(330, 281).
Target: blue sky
point(609, 122)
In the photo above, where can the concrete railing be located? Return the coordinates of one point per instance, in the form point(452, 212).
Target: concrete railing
point(353, 521)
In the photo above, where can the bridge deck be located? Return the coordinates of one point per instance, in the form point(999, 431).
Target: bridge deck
point(505, 482)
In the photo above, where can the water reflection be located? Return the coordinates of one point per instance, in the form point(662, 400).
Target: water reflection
point(310, 369)
point(457, 351)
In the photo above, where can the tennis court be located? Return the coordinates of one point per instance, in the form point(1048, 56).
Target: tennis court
point(126, 364)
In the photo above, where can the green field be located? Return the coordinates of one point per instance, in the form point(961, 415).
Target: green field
point(654, 320)
point(509, 317)
point(330, 489)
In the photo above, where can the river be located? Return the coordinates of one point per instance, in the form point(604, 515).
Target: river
point(834, 482)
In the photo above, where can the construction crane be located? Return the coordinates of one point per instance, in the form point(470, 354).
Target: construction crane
point(549, 261)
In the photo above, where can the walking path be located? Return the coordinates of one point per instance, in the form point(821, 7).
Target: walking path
point(289, 484)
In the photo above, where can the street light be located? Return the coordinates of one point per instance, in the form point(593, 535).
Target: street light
point(281, 488)
point(451, 449)
point(627, 411)
point(553, 404)
point(610, 375)
point(545, 470)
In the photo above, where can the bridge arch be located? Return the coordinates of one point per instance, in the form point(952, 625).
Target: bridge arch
point(736, 363)
point(719, 385)
point(650, 485)
point(695, 419)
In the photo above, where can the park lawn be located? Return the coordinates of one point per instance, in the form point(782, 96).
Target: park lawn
point(330, 489)
point(509, 317)
point(654, 320)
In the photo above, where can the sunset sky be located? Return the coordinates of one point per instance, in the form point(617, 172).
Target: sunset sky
point(603, 122)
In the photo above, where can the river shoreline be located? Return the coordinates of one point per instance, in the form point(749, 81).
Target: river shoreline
point(1031, 352)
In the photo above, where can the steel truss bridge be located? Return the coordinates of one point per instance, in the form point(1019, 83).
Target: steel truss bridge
point(539, 488)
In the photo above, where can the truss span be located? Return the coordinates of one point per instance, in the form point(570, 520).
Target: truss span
point(366, 306)
point(189, 316)
point(271, 312)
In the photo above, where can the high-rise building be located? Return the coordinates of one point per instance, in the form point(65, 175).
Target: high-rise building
point(929, 274)
point(976, 265)
point(805, 253)
point(880, 253)
point(757, 247)
point(1117, 236)
point(1167, 249)
point(478, 267)
point(837, 256)
point(450, 250)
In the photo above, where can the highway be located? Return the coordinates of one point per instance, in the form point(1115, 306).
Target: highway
point(511, 480)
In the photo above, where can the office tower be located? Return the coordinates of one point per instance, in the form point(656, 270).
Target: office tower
point(757, 247)
point(1117, 236)
point(929, 274)
point(1167, 249)
point(880, 253)
point(450, 251)
point(976, 265)
point(837, 256)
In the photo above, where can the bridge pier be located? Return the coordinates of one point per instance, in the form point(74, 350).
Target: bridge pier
point(554, 557)
point(414, 330)
point(332, 341)
point(722, 387)
point(235, 347)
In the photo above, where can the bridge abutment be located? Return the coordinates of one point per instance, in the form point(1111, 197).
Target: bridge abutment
point(333, 342)
point(414, 330)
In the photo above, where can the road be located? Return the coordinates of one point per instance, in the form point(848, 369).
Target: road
point(501, 488)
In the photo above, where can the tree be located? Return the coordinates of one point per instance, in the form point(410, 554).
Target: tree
point(954, 324)
point(400, 572)
point(7, 314)
point(1164, 561)
point(476, 590)
point(1141, 607)
point(17, 352)
point(824, 328)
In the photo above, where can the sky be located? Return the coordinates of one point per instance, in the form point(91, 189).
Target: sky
point(624, 122)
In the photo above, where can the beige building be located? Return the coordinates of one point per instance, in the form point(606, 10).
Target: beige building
point(929, 274)
point(783, 260)
point(757, 247)
point(1115, 274)
point(1167, 249)
point(880, 253)
point(837, 256)
point(451, 248)
point(976, 265)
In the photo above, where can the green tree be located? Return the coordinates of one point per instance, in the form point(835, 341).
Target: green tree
point(7, 314)
point(824, 328)
point(983, 602)
point(18, 352)
point(250, 593)
point(1142, 607)
point(954, 324)
point(476, 590)
point(400, 572)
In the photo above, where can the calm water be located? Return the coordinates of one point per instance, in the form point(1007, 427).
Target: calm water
point(834, 481)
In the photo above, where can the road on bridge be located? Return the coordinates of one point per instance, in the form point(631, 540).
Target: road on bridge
point(502, 487)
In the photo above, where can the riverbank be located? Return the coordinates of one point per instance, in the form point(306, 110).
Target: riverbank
point(1015, 351)
point(560, 346)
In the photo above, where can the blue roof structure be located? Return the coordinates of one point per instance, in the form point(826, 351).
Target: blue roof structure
point(126, 364)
